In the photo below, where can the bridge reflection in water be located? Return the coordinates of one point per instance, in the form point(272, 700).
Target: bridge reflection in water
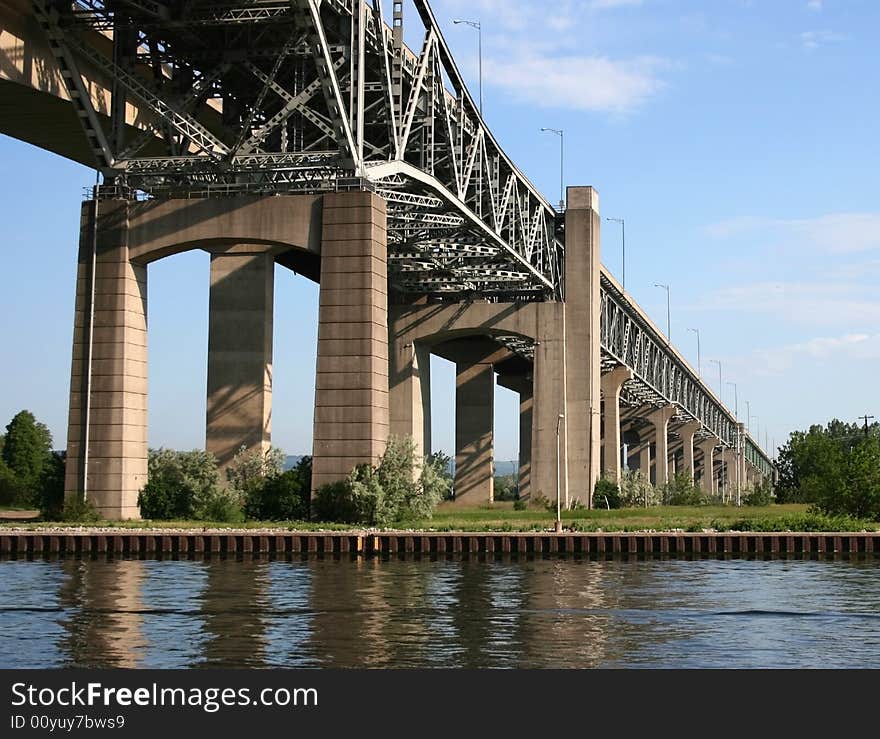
point(445, 613)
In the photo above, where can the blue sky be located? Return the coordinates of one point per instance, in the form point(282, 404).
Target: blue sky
point(737, 138)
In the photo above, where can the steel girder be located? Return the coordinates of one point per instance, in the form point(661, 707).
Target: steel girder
point(329, 93)
point(660, 376)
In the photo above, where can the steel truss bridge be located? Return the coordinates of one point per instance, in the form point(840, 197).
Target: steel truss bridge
point(307, 96)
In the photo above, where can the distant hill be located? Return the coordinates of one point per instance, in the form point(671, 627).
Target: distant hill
point(291, 460)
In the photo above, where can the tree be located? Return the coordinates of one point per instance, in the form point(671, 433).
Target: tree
point(836, 467)
point(27, 448)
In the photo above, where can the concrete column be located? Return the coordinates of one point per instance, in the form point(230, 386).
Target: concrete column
point(474, 426)
point(239, 407)
point(110, 340)
point(409, 393)
point(526, 406)
point(708, 477)
point(612, 383)
point(548, 403)
point(687, 431)
point(660, 419)
point(645, 461)
point(351, 386)
point(582, 342)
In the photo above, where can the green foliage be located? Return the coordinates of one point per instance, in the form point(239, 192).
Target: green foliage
point(77, 510)
point(636, 489)
point(506, 487)
point(680, 490)
point(250, 469)
point(26, 447)
point(441, 464)
point(760, 495)
point(281, 497)
point(812, 520)
point(520, 505)
point(837, 468)
point(26, 451)
point(183, 485)
point(51, 488)
point(606, 494)
point(384, 494)
point(9, 485)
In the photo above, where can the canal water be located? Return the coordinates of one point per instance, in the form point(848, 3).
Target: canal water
point(703, 613)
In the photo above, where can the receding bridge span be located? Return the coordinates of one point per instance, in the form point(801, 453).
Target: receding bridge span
point(308, 134)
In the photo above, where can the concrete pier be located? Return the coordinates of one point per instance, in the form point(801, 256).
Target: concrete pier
point(107, 423)
point(240, 315)
point(351, 387)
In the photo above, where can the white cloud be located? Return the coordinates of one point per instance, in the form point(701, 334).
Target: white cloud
point(593, 83)
point(834, 233)
point(814, 5)
point(844, 304)
point(782, 360)
point(814, 39)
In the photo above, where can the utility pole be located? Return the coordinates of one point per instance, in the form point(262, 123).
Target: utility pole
point(866, 418)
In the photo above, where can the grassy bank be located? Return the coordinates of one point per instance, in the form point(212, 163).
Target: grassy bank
point(502, 517)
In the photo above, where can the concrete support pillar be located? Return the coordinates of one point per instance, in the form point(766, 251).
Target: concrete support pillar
point(660, 419)
point(526, 407)
point(687, 431)
point(522, 385)
point(548, 403)
point(351, 385)
point(107, 424)
point(612, 383)
point(239, 402)
point(708, 476)
point(409, 393)
point(645, 461)
point(582, 342)
point(474, 438)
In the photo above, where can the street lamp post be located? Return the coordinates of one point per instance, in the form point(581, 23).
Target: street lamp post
point(699, 361)
point(668, 321)
point(559, 132)
point(623, 244)
point(476, 24)
point(559, 420)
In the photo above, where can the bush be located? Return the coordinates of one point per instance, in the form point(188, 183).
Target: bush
point(77, 510)
point(760, 495)
point(680, 490)
point(51, 495)
point(181, 485)
point(520, 505)
point(636, 490)
point(282, 497)
point(384, 494)
point(505, 487)
point(606, 494)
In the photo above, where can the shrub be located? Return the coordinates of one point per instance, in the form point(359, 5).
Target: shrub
point(51, 496)
point(180, 485)
point(386, 493)
point(520, 505)
point(760, 495)
point(357, 499)
point(77, 510)
point(606, 494)
point(636, 490)
point(250, 469)
point(282, 497)
point(505, 487)
point(680, 490)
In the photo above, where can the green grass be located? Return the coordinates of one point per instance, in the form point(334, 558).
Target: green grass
point(502, 517)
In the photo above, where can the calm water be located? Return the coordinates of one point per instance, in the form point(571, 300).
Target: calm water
point(421, 613)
